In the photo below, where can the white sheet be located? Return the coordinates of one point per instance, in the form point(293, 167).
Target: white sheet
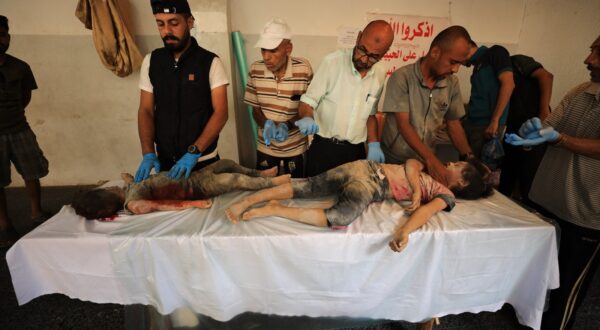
point(475, 258)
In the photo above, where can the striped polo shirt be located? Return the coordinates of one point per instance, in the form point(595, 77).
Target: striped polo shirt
point(566, 183)
point(279, 100)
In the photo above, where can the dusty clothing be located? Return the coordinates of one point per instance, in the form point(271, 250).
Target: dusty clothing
point(428, 108)
point(278, 100)
point(114, 43)
point(15, 77)
point(216, 179)
point(362, 182)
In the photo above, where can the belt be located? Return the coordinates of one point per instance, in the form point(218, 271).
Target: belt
point(334, 140)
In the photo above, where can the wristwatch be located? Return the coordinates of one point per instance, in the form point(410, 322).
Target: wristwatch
point(192, 149)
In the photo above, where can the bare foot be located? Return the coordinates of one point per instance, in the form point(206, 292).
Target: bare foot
point(264, 211)
point(282, 179)
point(270, 172)
point(234, 212)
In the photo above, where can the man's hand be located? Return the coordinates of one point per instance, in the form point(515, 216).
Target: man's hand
point(535, 138)
point(492, 130)
point(149, 161)
point(307, 126)
point(268, 131)
point(400, 240)
point(530, 126)
point(281, 132)
point(184, 166)
point(375, 153)
point(437, 170)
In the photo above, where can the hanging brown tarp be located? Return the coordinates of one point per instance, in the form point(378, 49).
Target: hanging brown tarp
point(114, 44)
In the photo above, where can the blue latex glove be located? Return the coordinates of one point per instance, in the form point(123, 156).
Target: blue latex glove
point(529, 127)
point(375, 153)
point(307, 126)
point(268, 131)
point(149, 161)
point(281, 132)
point(547, 134)
point(184, 166)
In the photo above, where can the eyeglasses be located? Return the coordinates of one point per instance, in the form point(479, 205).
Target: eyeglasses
point(362, 52)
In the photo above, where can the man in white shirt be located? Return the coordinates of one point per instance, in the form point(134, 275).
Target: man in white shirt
point(341, 102)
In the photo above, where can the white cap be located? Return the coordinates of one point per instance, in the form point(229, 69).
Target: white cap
point(273, 33)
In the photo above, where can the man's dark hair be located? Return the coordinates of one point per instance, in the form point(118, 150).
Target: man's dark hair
point(477, 186)
point(97, 204)
point(3, 22)
point(450, 34)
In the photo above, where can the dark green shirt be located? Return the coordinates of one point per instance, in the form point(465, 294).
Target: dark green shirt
point(15, 78)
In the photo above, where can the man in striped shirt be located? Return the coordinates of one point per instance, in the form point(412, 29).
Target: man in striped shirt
point(274, 87)
point(567, 187)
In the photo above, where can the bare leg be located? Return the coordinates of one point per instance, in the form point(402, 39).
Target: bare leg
point(146, 206)
point(283, 191)
point(34, 192)
point(311, 216)
point(4, 222)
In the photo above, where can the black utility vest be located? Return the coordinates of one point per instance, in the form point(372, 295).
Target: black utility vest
point(182, 99)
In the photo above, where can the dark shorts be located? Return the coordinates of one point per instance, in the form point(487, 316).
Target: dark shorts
point(356, 185)
point(23, 151)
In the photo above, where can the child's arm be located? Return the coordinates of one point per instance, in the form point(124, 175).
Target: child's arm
point(147, 206)
point(416, 220)
point(413, 169)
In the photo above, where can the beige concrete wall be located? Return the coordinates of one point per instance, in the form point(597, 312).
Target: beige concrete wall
point(84, 116)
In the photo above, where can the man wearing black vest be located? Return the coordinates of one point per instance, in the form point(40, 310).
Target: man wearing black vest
point(183, 100)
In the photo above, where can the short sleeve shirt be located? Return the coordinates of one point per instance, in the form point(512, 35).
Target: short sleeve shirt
point(430, 189)
point(488, 64)
point(343, 100)
point(216, 76)
point(427, 108)
point(15, 78)
point(568, 184)
point(279, 100)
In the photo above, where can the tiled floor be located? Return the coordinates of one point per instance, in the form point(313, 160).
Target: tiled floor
point(60, 312)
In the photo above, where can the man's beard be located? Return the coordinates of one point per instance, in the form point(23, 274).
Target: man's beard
point(177, 47)
point(3, 49)
point(360, 65)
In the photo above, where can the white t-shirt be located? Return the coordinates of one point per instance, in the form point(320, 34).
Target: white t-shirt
point(216, 76)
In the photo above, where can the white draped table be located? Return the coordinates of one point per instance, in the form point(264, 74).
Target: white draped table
point(476, 258)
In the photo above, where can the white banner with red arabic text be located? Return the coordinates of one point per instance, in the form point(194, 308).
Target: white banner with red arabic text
point(412, 37)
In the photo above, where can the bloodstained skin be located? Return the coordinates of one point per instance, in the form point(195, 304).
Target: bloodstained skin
point(171, 192)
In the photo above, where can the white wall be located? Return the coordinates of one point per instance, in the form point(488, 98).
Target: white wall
point(557, 33)
point(85, 117)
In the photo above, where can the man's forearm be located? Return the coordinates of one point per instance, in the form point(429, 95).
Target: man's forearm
point(545, 81)
point(210, 133)
point(412, 138)
point(146, 131)
point(259, 116)
point(585, 147)
point(372, 129)
point(305, 110)
point(507, 85)
point(458, 137)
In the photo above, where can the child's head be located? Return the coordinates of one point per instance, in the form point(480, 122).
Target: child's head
point(467, 180)
point(99, 203)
